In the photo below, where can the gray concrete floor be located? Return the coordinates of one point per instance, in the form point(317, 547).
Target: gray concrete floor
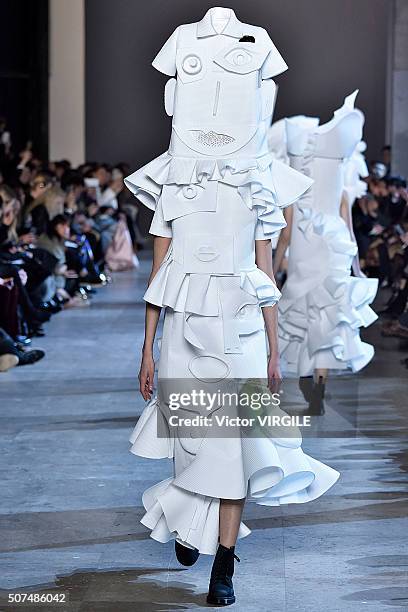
point(70, 497)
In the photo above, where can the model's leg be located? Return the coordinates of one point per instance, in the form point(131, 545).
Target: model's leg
point(320, 375)
point(316, 404)
point(230, 520)
point(221, 590)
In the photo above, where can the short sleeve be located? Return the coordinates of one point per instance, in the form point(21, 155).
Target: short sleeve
point(160, 227)
point(274, 63)
point(259, 231)
point(165, 60)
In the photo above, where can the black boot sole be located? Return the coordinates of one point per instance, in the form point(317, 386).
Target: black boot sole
point(220, 601)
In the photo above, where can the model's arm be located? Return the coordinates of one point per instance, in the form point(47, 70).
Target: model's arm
point(284, 239)
point(263, 257)
point(146, 374)
point(345, 213)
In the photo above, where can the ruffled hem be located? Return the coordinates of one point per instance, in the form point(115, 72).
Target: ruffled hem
point(144, 439)
point(269, 471)
point(319, 326)
point(263, 182)
point(192, 519)
point(197, 293)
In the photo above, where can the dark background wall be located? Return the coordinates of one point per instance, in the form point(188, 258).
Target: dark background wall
point(331, 47)
point(24, 72)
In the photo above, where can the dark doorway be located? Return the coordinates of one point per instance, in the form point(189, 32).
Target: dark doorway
point(24, 73)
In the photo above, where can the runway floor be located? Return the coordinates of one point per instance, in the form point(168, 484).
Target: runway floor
point(71, 492)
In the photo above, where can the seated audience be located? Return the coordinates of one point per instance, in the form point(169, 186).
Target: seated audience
point(381, 227)
point(62, 229)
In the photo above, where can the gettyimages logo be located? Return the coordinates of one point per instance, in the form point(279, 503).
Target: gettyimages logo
point(234, 409)
point(254, 400)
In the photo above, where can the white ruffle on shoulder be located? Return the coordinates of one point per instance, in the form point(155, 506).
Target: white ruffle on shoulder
point(262, 182)
point(274, 472)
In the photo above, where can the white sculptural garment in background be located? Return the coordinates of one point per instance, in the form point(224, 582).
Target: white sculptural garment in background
point(277, 140)
point(322, 305)
point(355, 169)
point(214, 192)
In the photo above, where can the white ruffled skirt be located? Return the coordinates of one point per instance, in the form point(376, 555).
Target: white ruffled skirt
point(269, 471)
point(323, 307)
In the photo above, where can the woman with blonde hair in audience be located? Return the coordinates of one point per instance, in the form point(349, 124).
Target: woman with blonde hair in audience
point(44, 208)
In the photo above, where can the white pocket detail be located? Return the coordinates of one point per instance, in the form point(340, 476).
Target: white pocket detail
point(241, 315)
point(180, 200)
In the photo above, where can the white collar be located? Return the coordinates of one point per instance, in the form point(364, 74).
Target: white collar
point(233, 28)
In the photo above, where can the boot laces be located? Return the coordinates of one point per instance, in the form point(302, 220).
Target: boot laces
point(223, 567)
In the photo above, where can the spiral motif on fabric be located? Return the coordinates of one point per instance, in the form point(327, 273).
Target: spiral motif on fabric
point(192, 64)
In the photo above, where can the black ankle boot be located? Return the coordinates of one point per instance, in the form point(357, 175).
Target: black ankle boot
point(186, 556)
point(316, 403)
point(221, 589)
point(306, 387)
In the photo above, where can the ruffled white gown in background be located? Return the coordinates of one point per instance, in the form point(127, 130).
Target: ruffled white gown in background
point(214, 192)
point(323, 306)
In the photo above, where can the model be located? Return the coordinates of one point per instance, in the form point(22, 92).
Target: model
point(217, 195)
point(323, 306)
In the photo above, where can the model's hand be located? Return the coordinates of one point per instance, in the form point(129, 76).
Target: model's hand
point(146, 376)
point(274, 373)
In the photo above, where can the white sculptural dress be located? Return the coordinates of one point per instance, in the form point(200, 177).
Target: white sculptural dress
point(355, 169)
point(277, 144)
point(214, 192)
point(323, 306)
